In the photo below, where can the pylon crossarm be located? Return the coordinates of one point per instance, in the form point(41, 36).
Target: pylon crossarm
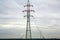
point(30, 16)
point(28, 11)
point(28, 6)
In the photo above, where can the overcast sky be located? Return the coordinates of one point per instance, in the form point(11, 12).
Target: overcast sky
point(46, 18)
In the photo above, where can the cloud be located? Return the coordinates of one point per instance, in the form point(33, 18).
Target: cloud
point(46, 17)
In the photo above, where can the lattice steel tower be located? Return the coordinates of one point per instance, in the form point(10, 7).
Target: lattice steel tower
point(28, 26)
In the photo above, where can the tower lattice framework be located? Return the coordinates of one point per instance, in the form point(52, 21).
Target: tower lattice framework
point(28, 26)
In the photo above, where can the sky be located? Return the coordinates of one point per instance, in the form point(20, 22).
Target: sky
point(46, 18)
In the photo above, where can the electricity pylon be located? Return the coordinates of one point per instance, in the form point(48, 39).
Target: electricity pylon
point(28, 26)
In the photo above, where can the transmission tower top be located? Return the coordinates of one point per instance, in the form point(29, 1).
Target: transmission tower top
point(28, 0)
